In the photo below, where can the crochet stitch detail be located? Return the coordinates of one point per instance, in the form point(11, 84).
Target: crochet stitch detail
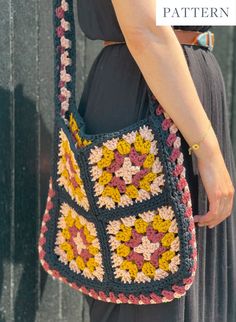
point(69, 173)
point(77, 244)
point(127, 169)
point(144, 247)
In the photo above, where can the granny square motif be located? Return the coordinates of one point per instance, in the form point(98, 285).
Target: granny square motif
point(127, 169)
point(145, 247)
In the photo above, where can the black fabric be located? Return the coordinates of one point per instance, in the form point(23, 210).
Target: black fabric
point(114, 97)
point(198, 28)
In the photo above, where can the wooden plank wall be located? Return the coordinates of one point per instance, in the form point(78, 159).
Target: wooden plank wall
point(27, 293)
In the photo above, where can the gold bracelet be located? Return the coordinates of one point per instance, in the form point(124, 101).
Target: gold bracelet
point(196, 146)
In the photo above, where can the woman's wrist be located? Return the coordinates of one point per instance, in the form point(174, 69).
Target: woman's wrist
point(209, 147)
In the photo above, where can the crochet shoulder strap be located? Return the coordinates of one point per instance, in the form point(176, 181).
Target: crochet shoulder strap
point(65, 62)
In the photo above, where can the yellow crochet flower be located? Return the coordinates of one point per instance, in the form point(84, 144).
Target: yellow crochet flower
point(124, 234)
point(138, 143)
point(65, 173)
point(156, 221)
point(123, 147)
point(131, 191)
point(79, 193)
point(168, 239)
point(69, 220)
point(93, 250)
point(145, 148)
point(76, 191)
point(148, 269)
point(140, 225)
point(88, 236)
point(112, 192)
point(65, 246)
point(123, 250)
point(78, 140)
point(70, 255)
point(105, 178)
point(168, 255)
point(104, 162)
point(164, 226)
point(66, 233)
point(91, 264)
point(149, 161)
point(125, 265)
point(107, 153)
point(75, 130)
point(115, 195)
point(157, 218)
point(144, 184)
point(107, 191)
point(150, 176)
point(133, 270)
point(73, 124)
point(80, 263)
point(163, 264)
point(86, 142)
point(131, 267)
point(78, 224)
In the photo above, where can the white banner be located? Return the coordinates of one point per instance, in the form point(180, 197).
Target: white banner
point(196, 12)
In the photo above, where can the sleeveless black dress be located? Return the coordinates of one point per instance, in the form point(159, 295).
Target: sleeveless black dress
point(114, 97)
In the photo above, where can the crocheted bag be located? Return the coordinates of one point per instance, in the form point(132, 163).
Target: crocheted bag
point(118, 223)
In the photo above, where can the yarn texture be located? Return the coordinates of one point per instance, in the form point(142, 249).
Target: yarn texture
point(118, 223)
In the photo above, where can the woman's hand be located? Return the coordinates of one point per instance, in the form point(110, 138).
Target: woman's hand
point(218, 186)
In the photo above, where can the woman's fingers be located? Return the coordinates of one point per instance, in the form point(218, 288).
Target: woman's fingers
point(221, 205)
point(220, 192)
point(208, 218)
point(225, 209)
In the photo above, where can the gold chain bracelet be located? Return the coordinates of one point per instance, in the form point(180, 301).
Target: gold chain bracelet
point(196, 146)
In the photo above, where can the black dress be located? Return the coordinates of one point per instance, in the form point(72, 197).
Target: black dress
point(114, 97)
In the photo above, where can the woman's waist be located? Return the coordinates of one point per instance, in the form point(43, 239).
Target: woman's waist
point(185, 37)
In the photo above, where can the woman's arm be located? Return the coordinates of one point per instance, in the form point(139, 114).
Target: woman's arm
point(161, 60)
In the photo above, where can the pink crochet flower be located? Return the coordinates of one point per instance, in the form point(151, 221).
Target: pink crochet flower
point(182, 183)
point(61, 98)
point(166, 124)
point(138, 176)
point(59, 12)
point(159, 110)
point(156, 254)
point(119, 183)
point(171, 139)
point(136, 158)
point(186, 197)
point(178, 170)
point(174, 154)
point(137, 258)
point(188, 212)
point(135, 240)
point(153, 235)
point(60, 31)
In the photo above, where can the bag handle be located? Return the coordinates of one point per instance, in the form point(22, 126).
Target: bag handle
point(65, 61)
point(65, 53)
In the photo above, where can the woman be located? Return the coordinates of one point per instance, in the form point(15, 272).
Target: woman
point(188, 82)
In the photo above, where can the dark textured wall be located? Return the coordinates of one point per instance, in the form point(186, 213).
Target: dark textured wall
point(27, 293)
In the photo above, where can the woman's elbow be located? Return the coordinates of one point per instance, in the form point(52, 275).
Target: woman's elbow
point(140, 38)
